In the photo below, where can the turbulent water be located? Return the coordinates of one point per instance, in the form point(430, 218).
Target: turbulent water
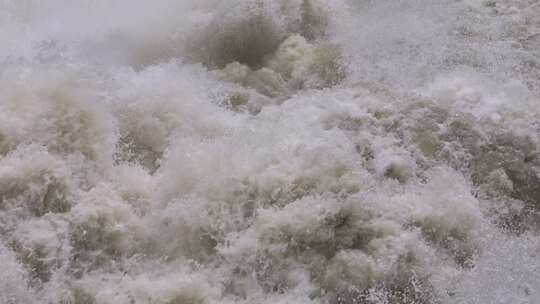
point(270, 151)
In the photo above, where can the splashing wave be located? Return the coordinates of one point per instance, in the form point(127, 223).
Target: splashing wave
point(261, 151)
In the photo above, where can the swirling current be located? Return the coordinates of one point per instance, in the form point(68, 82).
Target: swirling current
point(270, 151)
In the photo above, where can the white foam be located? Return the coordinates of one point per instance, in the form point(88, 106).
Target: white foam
point(269, 151)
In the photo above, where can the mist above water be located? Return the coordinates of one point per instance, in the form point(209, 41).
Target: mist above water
point(255, 151)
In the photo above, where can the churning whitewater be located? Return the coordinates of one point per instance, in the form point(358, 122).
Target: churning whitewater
point(270, 151)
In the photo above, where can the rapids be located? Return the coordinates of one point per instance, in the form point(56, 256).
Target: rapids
point(270, 151)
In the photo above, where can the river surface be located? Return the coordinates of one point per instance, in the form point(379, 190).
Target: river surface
point(270, 151)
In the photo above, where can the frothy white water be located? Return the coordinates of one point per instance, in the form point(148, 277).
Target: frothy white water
point(261, 151)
